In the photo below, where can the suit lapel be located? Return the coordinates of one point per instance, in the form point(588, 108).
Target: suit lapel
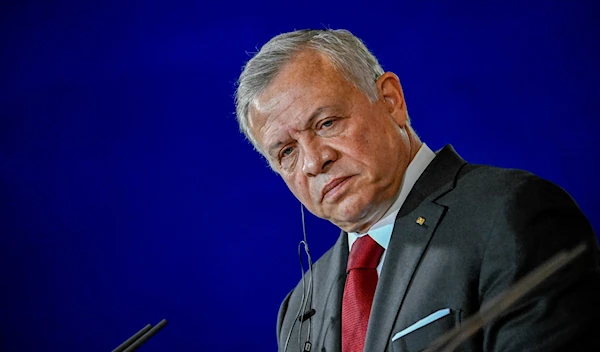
point(414, 227)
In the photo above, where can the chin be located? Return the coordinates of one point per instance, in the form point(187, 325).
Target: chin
point(352, 226)
point(353, 218)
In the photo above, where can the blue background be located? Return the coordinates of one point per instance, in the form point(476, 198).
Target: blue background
point(128, 195)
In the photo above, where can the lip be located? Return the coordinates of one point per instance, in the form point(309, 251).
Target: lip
point(333, 186)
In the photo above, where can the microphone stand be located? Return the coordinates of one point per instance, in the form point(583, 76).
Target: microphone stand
point(138, 339)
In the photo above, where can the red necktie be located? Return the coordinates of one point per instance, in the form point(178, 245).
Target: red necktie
point(359, 292)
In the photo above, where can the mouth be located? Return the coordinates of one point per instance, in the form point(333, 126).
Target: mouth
point(333, 187)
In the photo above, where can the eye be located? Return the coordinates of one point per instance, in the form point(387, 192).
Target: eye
point(286, 157)
point(327, 123)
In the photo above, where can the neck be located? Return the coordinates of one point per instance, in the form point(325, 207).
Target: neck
point(414, 142)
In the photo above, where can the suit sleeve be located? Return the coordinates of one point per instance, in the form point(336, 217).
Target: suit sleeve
point(537, 220)
point(280, 316)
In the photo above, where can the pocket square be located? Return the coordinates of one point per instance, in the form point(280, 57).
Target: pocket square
point(427, 320)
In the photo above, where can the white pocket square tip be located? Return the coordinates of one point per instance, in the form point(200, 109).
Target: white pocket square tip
point(427, 320)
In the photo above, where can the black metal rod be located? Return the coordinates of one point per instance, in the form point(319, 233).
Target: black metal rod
point(132, 339)
point(146, 336)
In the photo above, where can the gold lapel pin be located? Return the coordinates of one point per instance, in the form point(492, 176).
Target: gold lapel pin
point(420, 220)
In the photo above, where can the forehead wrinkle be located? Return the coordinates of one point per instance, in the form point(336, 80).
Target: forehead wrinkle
point(287, 108)
point(285, 123)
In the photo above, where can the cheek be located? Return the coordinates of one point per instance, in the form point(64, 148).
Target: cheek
point(299, 187)
point(361, 144)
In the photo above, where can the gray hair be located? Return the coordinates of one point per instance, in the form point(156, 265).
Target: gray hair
point(347, 53)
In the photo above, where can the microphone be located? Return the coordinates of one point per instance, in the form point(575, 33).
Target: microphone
point(307, 315)
point(140, 337)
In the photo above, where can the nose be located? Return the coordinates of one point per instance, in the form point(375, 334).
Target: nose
point(318, 158)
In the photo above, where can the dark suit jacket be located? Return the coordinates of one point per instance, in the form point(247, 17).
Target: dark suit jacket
point(484, 229)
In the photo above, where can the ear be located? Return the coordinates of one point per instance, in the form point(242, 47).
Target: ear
point(390, 91)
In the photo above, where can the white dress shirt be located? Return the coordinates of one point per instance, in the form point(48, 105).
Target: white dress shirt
point(381, 231)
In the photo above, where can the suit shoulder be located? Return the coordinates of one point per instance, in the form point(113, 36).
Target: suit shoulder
point(488, 179)
point(494, 174)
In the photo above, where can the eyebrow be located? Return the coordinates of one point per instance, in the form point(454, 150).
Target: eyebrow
point(309, 122)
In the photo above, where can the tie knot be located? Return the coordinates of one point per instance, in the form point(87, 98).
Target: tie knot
point(365, 254)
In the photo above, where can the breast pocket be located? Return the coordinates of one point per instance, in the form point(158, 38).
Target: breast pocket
point(422, 333)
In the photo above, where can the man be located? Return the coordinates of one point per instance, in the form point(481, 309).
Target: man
point(427, 238)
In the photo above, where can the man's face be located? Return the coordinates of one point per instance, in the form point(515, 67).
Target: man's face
point(342, 156)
